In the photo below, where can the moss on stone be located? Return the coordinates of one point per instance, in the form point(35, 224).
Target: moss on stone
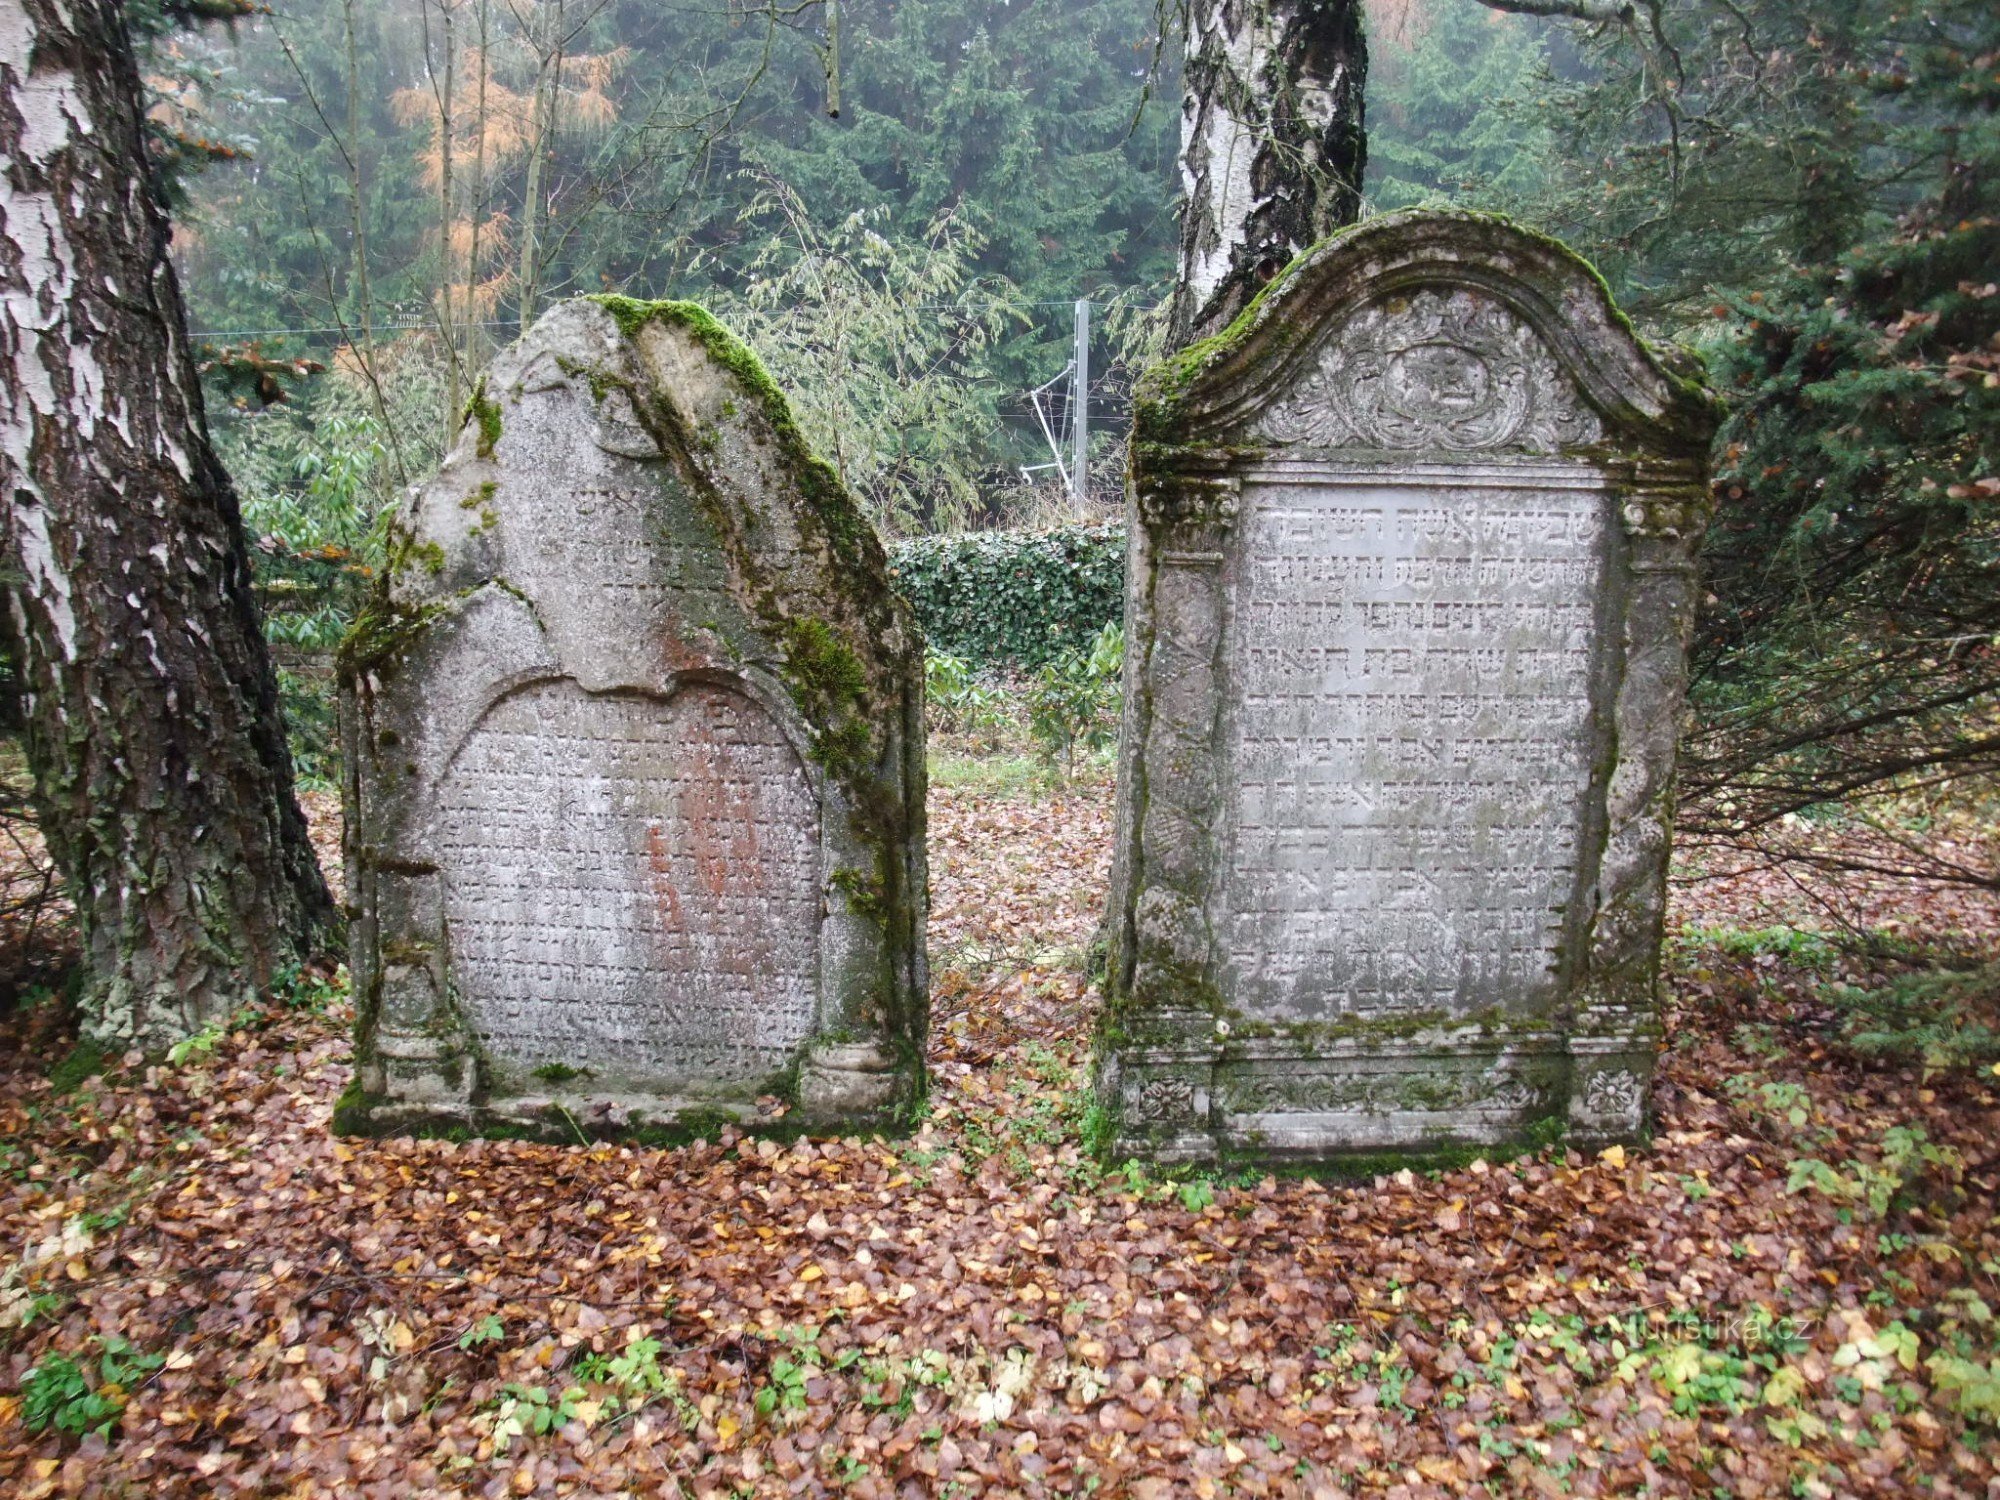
point(479, 498)
point(832, 689)
point(828, 497)
point(382, 630)
point(486, 412)
point(352, 1111)
point(1166, 385)
point(865, 894)
point(821, 664)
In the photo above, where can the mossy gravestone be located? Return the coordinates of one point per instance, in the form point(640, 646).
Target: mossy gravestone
point(634, 746)
point(1411, 582)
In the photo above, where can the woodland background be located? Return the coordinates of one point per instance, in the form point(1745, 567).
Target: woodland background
point(1801, 191)
point(1790, 1289)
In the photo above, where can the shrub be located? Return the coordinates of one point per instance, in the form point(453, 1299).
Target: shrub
point(958, 700)
point(1073, 700)
point(1016, 597)
point(1942, 1018)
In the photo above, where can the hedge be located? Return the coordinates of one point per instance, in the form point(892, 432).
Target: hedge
point(1016, 597)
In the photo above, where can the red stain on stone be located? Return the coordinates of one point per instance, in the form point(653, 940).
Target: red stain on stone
point(660, 860)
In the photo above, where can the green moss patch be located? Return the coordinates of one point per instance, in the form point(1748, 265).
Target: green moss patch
point(383, 629)
point(486, 412)
point(85, 1060)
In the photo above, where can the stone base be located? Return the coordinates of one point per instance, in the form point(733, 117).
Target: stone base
point(843, 1080)
point(1288, 1101)
point(842, 1088)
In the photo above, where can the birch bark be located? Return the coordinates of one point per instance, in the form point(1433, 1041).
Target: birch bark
point(1272, 146)
point(152, 725)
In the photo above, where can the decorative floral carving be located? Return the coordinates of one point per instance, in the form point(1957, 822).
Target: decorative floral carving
point(1615, 1092)
point(1166, 1099)
point(1456, 370)
point(1381, 1092)
point(1515, 1093)
point(1196, 502)
point(1667, 516)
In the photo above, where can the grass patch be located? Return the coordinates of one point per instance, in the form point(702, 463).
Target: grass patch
point(1799, 947)
point(1008, 775)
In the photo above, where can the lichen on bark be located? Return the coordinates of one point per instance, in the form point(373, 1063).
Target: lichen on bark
point(1273, 146)
point(162, 776)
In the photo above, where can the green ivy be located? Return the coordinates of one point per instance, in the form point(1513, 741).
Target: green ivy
point(1014, 596)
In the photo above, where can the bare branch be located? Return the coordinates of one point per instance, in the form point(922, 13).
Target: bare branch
point(1575, 10)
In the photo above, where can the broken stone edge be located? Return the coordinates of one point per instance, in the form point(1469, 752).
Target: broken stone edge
point(1181, 1078)
point(829, 630)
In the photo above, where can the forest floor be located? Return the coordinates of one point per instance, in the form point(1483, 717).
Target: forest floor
point(1787, 1292)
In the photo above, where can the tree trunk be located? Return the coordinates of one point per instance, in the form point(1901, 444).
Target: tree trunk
point(447, 143)
point(1272, 146)
point(541, 134)
point(471, 347)
point(161, 772)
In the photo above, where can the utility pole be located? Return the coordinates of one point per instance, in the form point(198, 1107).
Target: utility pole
point(1079, 464)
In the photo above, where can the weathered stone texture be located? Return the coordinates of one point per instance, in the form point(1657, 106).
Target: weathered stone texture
point(1412, 576)
point(635, 759)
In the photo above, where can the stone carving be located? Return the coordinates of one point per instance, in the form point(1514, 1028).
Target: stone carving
point(1618, 1094)
point(1452, 369)
point(1411, 583)
point(1166, 1098)
point(634, 748)
point(1272, 1091)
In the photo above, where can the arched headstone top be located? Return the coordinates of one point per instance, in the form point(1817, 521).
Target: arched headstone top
point(1411, 579)
point(1430, 331)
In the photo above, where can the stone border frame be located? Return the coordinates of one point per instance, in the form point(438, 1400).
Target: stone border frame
point(419, 1028)
point(831, 654)
point(1173, 1072)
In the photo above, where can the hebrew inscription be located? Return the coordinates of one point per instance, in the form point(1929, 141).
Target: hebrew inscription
point(1412, 585)
point(608, 873)
point(633, 880)
point(1412, 744)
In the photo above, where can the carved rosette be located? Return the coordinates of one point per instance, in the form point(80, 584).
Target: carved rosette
point(1452, 369)
point(1166, 1099)
point(1608, 1098)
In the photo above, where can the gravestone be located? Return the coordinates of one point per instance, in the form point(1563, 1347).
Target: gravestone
point(634, 756)
point(1410, 588)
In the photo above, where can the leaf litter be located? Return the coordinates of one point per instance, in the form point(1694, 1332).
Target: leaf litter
point(980, 1307)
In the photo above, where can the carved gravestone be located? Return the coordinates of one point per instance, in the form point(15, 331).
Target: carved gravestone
point(634, 743)
point(1410, 591)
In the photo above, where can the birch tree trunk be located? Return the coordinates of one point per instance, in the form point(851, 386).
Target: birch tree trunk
point(1272, 146)
point(161, 772)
